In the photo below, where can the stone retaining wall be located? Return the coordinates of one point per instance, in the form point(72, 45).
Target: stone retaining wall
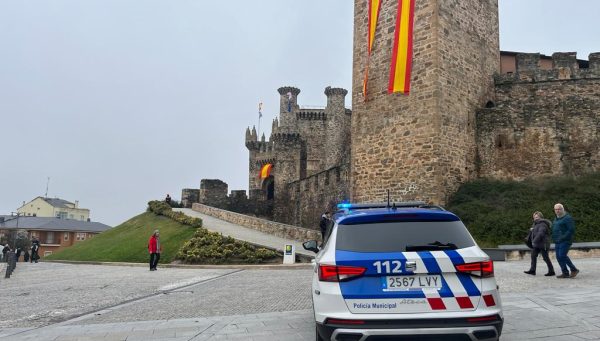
point(262, 225)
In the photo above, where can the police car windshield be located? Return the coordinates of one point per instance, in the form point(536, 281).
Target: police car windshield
point(404, 236)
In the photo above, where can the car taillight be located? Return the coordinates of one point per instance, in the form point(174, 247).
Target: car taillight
point(479, 269)
point(334, 273)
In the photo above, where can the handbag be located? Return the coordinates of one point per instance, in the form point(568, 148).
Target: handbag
point(528, 239)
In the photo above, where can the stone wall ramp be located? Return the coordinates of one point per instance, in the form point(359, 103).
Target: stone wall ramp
point(243, 233)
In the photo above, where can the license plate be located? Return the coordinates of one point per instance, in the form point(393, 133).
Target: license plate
point(393, 283)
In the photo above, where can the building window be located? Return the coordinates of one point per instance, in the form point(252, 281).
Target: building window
point(66, 236)
point(82, 218)
point(80, 236)
point(49, 237)
point(47, 253)
point(62, 215)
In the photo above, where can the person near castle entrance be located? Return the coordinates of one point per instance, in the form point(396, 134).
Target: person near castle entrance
point(168, 199)
point(324, 223)
point(540, 238)
point(154, 249)
point(563, 230)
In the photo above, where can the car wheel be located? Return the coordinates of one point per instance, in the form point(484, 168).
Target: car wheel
point(318, 337)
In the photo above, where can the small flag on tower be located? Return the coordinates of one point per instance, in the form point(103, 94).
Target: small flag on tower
point(259, 109)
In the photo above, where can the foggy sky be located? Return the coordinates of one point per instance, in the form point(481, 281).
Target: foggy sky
point(123, 101)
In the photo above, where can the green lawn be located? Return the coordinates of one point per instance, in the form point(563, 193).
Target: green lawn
point(128, 242)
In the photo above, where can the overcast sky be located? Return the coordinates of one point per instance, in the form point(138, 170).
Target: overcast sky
point(123, 101)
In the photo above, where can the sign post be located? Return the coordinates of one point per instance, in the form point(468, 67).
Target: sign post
point(289, 254)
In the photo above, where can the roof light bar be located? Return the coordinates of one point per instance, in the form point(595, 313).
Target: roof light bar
point(350, 206)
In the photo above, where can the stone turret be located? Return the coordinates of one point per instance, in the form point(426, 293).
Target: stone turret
point(338, 125)
point(288, 104)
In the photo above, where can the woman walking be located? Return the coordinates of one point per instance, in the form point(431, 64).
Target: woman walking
point(540, 238)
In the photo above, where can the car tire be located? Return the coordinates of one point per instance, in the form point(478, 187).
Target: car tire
point(318, 337)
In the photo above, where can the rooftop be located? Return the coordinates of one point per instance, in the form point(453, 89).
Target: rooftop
point(50, 224)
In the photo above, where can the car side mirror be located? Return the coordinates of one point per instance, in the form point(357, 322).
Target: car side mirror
point(311, 245)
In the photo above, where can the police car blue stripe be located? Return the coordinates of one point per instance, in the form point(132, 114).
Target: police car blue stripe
point(434, 268)
point(466, 280)
point(370, 284)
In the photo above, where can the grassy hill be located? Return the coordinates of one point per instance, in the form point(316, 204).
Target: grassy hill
point(499, 212)
point(128, 241)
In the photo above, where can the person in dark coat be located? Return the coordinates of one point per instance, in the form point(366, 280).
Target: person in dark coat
point(17, 254)
point(540, 240)
point(324, 224)
point(563, 232)
point(5, 251)
point(26, 256)
point(35, 249)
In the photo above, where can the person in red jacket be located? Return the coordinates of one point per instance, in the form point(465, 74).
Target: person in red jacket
point(154, 249)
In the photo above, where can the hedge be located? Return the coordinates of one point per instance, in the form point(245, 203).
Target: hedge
point(500, 212)
point(162, 208)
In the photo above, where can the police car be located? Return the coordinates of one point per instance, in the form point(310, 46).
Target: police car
point(405, 271)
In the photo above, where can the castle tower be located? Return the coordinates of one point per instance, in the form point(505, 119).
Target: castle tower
point(422, 145)
point(288, 104)
point(338, 125)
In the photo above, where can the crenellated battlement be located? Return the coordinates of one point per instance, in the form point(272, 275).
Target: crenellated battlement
point(565, 66)
point(263, 160)
point(285, 89)
point(329, 91)
point(260, 146)
point(286, 137)
point(311, 115)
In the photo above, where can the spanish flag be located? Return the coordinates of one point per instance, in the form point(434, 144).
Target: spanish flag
point(403, 45)
point(374, 7)
point(265, 171)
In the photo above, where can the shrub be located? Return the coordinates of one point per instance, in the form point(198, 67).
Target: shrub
point(162, 208)
point(499, 212)
point(214, 248)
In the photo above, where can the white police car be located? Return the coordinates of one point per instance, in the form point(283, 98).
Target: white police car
point(405, 271)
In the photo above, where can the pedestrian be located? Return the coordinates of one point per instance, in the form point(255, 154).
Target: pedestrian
point(563, 231)
point(154, 249)
point(17, 254)
point(26, 256)
point(5, 251)
point(540, 240)
point(168, 199)
point(324, 224)
point(35, 248)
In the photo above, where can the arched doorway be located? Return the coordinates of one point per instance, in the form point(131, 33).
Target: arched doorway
point(268, 187)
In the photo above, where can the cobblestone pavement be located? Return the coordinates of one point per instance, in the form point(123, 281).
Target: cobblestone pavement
point(274, 305)
point(43, 293)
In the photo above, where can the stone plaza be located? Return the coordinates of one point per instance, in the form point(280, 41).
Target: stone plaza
point(57, 301)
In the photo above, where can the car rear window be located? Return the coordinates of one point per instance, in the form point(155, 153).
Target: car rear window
point(404, 236)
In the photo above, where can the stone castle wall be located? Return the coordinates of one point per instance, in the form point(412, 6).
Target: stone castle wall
point(213, 192)
point(189, 196)
point(421, 146)
point(309, 198)
point(263, 225)
point(545, 122)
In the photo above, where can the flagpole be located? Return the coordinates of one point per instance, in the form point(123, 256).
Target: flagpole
point(259, 117)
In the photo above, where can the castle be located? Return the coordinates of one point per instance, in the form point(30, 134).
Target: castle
point(472, 112)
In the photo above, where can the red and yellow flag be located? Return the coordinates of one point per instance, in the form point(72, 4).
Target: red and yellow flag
point(265, 171)
point(374, 6)
point(403, 45)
